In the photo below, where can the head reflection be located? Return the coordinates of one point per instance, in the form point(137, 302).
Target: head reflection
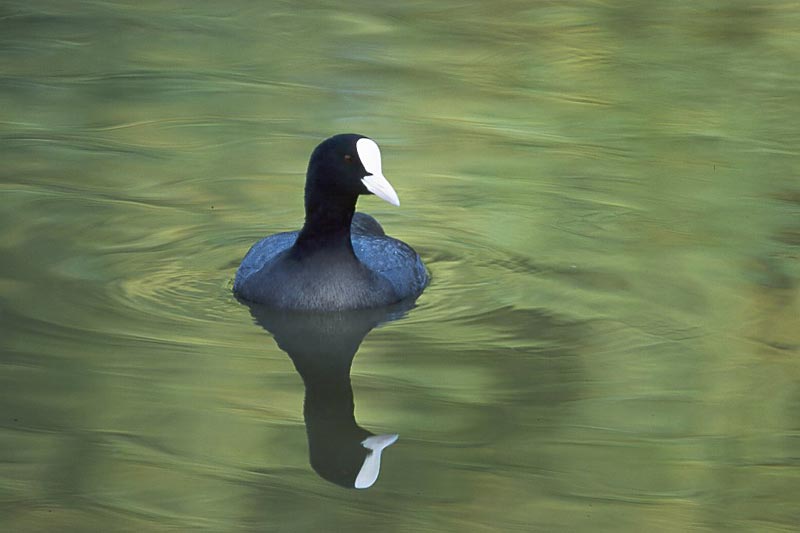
point(322, 347)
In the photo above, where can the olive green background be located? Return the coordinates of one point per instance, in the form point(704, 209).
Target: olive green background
point(607, 195)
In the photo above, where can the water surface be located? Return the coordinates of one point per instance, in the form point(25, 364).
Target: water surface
point(607, 195)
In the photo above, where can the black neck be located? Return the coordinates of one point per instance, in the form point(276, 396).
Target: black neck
point(327, 223)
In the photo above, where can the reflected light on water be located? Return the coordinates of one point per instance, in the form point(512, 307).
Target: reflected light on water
point(606, 195)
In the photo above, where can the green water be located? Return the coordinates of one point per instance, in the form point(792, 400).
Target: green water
point(607, 195)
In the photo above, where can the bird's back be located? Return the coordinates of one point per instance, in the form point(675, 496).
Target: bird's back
point(387, 271)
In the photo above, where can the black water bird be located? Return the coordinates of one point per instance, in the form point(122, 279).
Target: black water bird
point(339, 260)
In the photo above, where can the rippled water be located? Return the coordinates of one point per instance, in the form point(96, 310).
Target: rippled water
point(607, 195)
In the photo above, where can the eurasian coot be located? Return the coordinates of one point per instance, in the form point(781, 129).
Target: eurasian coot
point(337, 261)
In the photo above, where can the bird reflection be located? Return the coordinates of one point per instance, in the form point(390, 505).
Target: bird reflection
point(322, 347)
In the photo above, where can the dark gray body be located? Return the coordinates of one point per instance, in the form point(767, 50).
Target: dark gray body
point(383, 271)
